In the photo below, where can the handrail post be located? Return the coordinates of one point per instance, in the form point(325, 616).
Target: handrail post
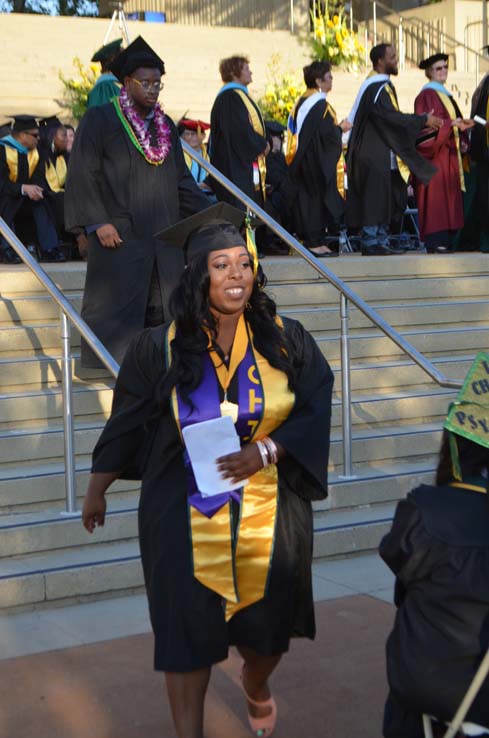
point(69, 436)
point(345, 391)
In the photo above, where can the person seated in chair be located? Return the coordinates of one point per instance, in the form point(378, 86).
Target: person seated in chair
point(438, 548)
point(22, 188)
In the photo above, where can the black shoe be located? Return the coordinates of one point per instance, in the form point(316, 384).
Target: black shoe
point(379, 249)
point(439, 250)
point(9, 256)
point(53, 255)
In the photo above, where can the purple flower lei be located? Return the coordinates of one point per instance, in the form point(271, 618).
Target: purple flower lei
point(153, 154)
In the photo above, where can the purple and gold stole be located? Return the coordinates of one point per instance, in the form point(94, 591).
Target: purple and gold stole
point(239, 572)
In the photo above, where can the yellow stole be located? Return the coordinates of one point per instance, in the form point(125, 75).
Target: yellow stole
point(12, 156)
point(403, 168)
point(238, 570)
point(56, 174)
point(202, 152)
point(450, 107)
point(259, 127)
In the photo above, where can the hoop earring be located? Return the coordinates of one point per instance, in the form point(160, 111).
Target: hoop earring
point(248, 306)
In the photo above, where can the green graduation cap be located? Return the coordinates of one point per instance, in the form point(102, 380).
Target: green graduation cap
point(468, 415)
point(107, 51)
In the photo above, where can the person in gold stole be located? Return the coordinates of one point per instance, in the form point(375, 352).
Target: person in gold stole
point(235, 568)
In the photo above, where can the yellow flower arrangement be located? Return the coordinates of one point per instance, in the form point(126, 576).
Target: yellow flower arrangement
point(75, 90)
point(282, 90)
point(333, 41)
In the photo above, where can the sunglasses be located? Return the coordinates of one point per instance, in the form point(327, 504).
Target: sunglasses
point(438, 69)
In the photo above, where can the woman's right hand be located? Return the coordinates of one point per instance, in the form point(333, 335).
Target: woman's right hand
point(93, 513)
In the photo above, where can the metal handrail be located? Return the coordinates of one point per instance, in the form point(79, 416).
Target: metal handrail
point(68, 314)
point(347, 295)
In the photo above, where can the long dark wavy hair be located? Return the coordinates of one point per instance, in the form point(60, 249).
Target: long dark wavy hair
point(190, 307)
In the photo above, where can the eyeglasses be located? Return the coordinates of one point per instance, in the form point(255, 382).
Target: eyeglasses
point(438, 69)
point(34, 135)
point(147, 86)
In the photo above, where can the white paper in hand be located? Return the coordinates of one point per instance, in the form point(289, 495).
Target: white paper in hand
point(205, 442)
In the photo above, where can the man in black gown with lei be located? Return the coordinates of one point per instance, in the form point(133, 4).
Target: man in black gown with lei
point(127, 179)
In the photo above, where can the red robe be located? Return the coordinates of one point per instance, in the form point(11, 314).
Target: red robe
point(440, 203)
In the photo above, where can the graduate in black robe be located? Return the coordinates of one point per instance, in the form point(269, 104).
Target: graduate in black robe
point(479, 153)
point(23, 190)
point(438, 548)
point(121, 200)
point(238, 144)
point(315, 201)
point(190, 619)
point(381, 153)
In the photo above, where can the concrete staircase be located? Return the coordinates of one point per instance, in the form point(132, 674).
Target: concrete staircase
point(439, 303)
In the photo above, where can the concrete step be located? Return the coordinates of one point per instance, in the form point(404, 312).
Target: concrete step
point(416, 313)
point(381, 293)
point(74, 573)
point(345, 532)
point(24, 404)
point(41, 487)
point(33, 307)
point(435, 343)
point(43, 369)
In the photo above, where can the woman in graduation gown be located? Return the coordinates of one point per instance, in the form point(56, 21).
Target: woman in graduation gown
point(440, 203)
point(233, 569)
point(314, 157)
point(438, 548)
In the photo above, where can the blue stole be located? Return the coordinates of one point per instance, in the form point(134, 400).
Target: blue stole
point(11, 141)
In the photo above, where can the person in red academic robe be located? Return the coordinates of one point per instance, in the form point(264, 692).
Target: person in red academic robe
point(440, 202)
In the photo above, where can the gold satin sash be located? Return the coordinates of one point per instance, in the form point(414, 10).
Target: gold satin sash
point(403, 168)
point(259, 127)
point(56, 174)
point(450, 108)
point(12, 156)
point(241, 577)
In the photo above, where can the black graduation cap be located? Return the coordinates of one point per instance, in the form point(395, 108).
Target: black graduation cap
point(138, 54)
point(425, 63)
point(23, 122)
point(211, 229)
point(107, 51)
point(52, 121)
point(274, 127)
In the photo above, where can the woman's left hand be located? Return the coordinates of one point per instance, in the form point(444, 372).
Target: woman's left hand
point(242, 464)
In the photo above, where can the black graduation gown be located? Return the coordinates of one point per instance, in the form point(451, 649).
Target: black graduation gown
point(11, 198)
point(234, 146)
point(109, 181)
point(378, 129)
point(479, 152)
point(142, 441)
point(315, 200)
point(438, 548)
